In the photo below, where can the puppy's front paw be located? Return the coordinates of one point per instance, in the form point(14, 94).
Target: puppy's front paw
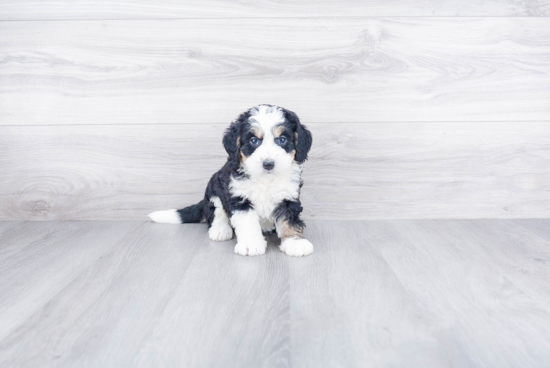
point(220, 232)
point(251, 247)
point(296, 247)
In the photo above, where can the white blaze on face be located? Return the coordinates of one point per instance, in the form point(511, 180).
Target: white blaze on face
point(265, 118)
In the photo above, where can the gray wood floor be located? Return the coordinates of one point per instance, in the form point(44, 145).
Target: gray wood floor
point(414, 293)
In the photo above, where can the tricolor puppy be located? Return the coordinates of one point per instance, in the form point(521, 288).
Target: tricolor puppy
point(258, 189)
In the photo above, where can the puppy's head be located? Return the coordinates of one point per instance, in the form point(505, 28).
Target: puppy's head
point(266, 140)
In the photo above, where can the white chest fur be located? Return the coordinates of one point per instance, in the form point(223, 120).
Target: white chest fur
point(267, 192)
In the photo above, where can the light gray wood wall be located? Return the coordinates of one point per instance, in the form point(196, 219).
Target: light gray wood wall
point(115, 110)
point(170, 9)
point(327, 70)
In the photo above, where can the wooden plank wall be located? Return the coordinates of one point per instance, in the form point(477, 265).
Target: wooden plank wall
point(419, 109)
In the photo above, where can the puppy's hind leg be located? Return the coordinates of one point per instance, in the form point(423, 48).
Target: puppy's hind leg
point(220, 230)
point(291, 229)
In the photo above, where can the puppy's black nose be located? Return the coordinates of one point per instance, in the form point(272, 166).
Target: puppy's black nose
point(269, 165)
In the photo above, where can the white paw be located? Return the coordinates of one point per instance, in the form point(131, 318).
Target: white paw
point(296, 247)
point(251, 247)
point(220, 232)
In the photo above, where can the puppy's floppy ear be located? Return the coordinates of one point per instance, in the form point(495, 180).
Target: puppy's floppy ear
point(303, 137)
point(232, 138)
point(231, 142)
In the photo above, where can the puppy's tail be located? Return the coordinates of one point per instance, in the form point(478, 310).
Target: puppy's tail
point(191, 214)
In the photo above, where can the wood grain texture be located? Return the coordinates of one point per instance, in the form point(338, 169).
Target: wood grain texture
point(521, 255)
point(147, 9)
point(348, 308)
point(49, 261)
point(424, 293)
point(541, 227)
point(327, 70)
point(158, 288)
point(468, 292)
point(245, 298)
point(126, 290)
point(380, 280)
point(14, 235)
point(355, 171)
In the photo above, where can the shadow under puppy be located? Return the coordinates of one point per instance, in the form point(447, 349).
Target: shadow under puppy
point(258, 189)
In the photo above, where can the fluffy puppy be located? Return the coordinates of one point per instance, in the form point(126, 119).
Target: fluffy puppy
point(258, 189)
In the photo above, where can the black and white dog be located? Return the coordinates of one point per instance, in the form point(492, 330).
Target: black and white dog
point(258, 189)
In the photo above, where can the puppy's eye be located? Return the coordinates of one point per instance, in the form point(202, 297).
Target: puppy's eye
point(254, 141)
point(282, 140)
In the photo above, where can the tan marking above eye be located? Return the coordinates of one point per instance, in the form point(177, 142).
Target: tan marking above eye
point(257, 131)
point(278, 130)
